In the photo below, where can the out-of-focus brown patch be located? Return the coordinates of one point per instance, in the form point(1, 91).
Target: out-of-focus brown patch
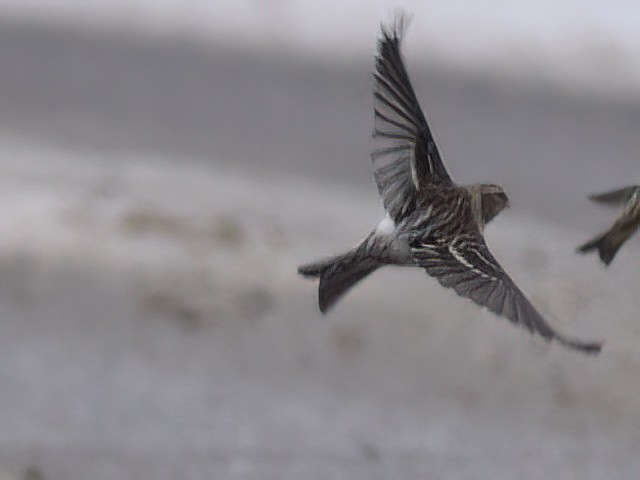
point(171, 305)
point(228, 231)
point(142, 221)
point(370, 452)
point(347, 338)
point(255, 303)
point(33, 473)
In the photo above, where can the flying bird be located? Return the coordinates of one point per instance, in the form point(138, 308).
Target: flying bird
point(430, 222)
point(626, 225)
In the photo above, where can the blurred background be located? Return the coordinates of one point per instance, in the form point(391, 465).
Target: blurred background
point(166, 165)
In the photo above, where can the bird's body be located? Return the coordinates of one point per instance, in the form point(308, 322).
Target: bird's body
point(430, 221)
point(624, 227)
point(439, 213)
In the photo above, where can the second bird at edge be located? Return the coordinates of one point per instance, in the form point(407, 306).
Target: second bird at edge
point(623, 228)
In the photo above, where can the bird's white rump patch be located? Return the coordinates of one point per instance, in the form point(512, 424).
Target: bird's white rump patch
point(386, 226)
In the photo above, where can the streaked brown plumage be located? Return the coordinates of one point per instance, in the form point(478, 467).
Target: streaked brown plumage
point(626, 225)
point(431, 222)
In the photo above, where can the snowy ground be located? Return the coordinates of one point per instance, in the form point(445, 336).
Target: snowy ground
point(157, 197)
point(154, 327)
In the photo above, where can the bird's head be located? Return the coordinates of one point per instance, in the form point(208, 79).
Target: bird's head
point(493, 200)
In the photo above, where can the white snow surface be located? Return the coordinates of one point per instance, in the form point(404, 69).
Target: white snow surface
point(154, 327)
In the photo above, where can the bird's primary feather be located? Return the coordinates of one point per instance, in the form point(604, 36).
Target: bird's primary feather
point(408, 160)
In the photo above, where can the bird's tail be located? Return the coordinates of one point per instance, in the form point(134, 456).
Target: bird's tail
point(607, 245)
point(338, 274)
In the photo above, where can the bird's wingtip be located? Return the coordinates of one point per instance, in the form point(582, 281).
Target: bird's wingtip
point(397, 26)
point(590, 348)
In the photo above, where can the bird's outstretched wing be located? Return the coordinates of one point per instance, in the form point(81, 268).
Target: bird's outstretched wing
point(408, 159)
point(465, 264)
point(616, 197)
